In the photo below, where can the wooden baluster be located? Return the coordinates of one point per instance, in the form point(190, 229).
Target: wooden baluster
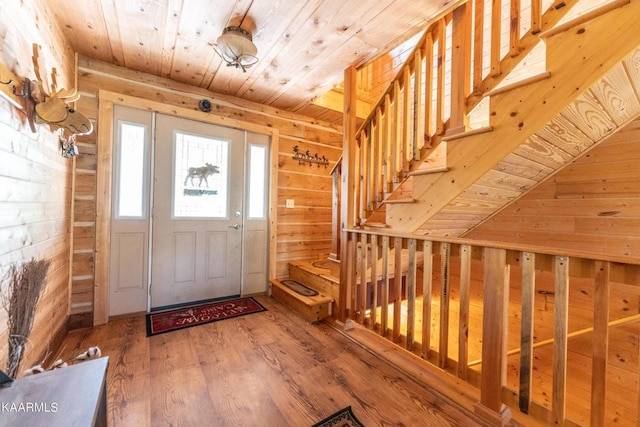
point(397, 149)
point(378, 152)
point(335, 212)
point(406, 120)
point(356, 185)
point(418, 111)
point(463, 324)
point(428, 87)
point(427, 289)
point(362, 275)
point(373, 256)
point(514, 30)
point(364, 174)
point(536, 16)
point(600, 342)
point(397, 288)
point(390, 171)
point(443, 342)
point(494, 337)
point(384, 315)
point(561, 329)
point(478, 46)
point(496, 28)
point(441, 87)
point(370, 177)
point(411, 293)
point(351, 274)
point(460, 67)
point(526, 335)
point(373, 165)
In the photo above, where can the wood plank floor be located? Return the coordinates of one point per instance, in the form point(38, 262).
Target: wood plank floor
point(264, 369)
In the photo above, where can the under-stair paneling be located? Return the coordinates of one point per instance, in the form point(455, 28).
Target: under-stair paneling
point(592, 205)
point(302, 232)
point(35, 180)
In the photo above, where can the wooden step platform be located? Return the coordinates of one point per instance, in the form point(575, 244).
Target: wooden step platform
point(323, 276)
point(311, 308)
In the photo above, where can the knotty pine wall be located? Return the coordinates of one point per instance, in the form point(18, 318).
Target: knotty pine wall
point(592, 205)
point(303, 232)
point(35, 180)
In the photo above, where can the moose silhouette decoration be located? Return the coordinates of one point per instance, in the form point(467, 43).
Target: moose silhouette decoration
point(202, 173)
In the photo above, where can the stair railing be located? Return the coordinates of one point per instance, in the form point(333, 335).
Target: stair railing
point(478, 311)
point(461, 56)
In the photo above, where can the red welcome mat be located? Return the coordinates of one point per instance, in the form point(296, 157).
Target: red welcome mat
point(185, 317)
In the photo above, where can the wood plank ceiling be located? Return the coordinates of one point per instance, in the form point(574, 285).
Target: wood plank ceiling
point(303, 46)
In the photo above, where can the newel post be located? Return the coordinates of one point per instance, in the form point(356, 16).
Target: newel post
point(347, 186)
point(494, 338)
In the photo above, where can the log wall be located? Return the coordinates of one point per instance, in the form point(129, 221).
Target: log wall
point(35, 180)
point(303, 232)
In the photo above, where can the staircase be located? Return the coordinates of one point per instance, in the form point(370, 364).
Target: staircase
point(452, 142)
point(438, 158)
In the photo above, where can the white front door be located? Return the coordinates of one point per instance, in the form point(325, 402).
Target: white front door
point(207, 191)
point(197, 212)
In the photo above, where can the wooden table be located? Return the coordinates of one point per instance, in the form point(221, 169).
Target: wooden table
point(72, 396)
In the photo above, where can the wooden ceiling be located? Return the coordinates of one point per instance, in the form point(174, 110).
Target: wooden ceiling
point(303, 46)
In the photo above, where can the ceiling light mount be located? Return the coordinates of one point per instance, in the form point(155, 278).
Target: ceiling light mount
point(235, 46)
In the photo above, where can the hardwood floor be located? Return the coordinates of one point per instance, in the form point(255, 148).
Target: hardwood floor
point(264, 369)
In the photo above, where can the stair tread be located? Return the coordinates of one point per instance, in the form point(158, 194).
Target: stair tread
point(375, 224)
point(467, 133)
point(307, 300)
point(428, 171)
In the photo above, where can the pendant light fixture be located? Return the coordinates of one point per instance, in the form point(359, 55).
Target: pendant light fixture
point(235, 46)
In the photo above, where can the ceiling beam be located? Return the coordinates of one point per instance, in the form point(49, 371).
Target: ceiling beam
point(334, 100)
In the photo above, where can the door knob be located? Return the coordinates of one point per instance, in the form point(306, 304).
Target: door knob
point(237, 226)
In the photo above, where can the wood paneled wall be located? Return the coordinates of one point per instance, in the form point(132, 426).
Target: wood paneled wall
point(303, 232)
point(592, 205)
point(35, 180)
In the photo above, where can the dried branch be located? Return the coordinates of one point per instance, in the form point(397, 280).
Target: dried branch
point(25, 287)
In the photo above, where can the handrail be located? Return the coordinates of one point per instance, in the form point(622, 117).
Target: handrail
point(574, 253)
point(399, 284)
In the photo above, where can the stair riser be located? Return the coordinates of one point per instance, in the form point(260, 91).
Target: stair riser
point(310, 312)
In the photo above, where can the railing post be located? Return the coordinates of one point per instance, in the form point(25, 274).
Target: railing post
point(347, 213)
point(494, 338)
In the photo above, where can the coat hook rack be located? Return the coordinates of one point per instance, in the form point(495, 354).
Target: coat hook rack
point(46, 106)
point(307, 157)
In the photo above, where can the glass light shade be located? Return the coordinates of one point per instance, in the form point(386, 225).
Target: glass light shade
point(236, 47)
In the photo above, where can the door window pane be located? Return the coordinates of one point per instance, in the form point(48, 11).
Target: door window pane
point(130, 170)
point(201, 174)
point(257, 178)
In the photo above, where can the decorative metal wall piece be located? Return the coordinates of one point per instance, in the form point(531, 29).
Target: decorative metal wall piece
point(307, 157)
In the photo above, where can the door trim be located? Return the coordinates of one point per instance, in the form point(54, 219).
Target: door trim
point(107, 100)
